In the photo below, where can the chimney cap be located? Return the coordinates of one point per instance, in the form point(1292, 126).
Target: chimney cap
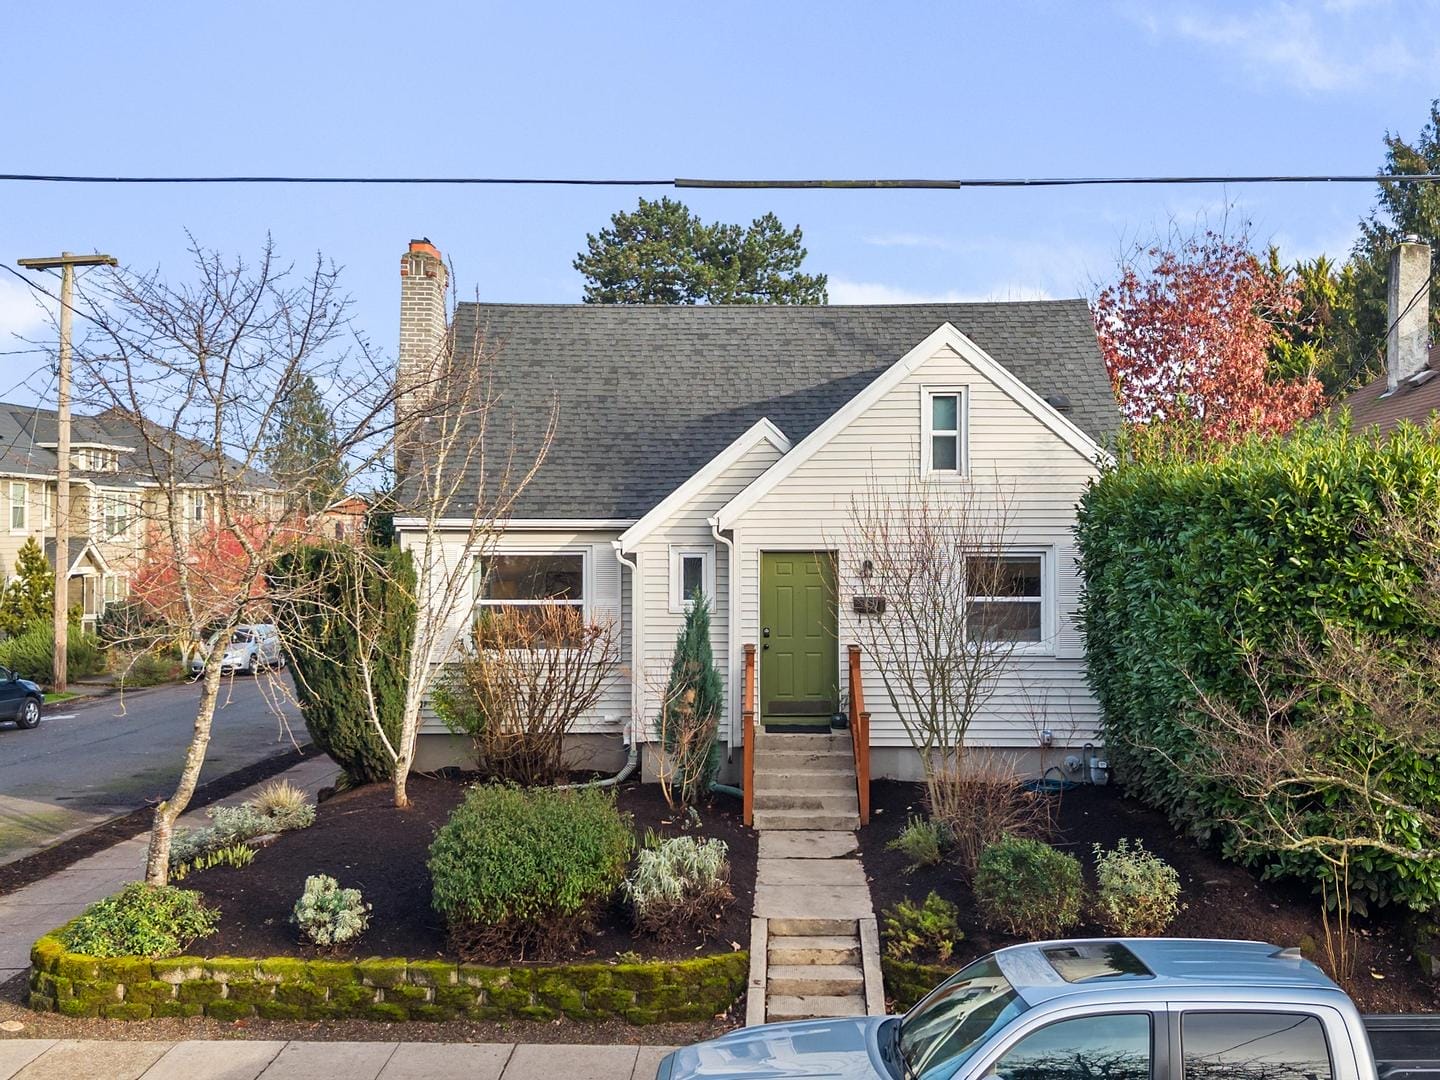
point(424, 246)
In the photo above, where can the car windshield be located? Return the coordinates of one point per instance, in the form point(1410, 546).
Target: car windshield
point(951, 1022)
point(239, 637)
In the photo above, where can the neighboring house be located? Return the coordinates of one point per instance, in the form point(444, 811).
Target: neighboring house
point(113, 499)
point(720, 447)
point(1408, 389)
point(343, 521)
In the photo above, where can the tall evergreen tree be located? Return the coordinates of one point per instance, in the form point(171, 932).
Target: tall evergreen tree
point(29, 599)
point(302, 455)
point(664, 254)
point(690, 714)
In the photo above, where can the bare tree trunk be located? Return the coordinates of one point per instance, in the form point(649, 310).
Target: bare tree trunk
point(157, 857)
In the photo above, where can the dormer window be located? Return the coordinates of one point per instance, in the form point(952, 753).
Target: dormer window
point(94, 459)
point(943, 447)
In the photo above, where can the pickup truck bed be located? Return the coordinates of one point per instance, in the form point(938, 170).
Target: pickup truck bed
point(1405, 1047)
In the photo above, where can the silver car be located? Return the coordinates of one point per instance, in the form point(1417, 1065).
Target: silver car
point(253, 647)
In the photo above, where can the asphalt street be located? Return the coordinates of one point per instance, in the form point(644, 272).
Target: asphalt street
point(91, 760)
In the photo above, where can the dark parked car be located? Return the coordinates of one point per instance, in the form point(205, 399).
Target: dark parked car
point(20, 699)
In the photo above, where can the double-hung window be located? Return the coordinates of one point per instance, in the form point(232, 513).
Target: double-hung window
point(19, 505)
point(116, 517)
point(692, 570)
point(531, 586)
point(197, 507)
point(1007, 598)
point(943, 450)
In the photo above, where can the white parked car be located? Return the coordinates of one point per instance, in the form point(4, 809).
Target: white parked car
point(253, 646)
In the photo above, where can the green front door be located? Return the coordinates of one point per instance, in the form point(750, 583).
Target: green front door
point(799, 638)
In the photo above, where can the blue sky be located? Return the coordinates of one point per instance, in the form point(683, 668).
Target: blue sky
point(733, 89)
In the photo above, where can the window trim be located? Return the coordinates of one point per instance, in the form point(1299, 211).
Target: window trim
point(586, 579)
point(1049, 601)
point(23, 506)
point(928, 394)
point(108, 499)
point(680, 604)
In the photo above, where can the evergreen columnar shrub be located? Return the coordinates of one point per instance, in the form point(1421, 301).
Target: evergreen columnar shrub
point(1028, 889)
point(31, 654)
point(1137, 894)
point(913, 929)
point(141, 920)
point(525, 871)
point(330, 593)
point(679, 886)
point(690, 710)
point(922, 842)
point(28, 600)
point(329, 915)
point(1187, 561)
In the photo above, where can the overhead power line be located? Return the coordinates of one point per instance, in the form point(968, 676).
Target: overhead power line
point(684, 182)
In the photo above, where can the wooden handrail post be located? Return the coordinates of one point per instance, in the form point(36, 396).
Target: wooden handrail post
point(748, 733)
point(859, 734)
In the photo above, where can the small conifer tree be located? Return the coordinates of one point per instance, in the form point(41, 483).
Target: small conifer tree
point(690, 712)
point(29, 599)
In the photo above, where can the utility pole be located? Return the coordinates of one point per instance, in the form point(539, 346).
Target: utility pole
point(66, 262)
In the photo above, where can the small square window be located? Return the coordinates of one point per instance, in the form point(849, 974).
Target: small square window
point(690, 572)
point(944, 438)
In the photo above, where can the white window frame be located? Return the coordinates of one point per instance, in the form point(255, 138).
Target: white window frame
point(118, 584)
point(47, 512)
point(196, 508)
point(1048, 599)
point(928, 394)
point(679, 603)
point(586, 581)
point(109, 499)
point(23, 506)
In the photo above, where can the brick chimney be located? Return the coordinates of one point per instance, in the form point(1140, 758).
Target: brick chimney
point(423, 280)
point(1407, 306)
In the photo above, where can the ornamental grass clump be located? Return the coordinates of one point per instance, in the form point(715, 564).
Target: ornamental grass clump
point(1028, 889)
point(517, 872)
point(153, 921)
point(679, 886)
point(922, 842)
point(327, 914)
point(1138, 893)
point(278, 807)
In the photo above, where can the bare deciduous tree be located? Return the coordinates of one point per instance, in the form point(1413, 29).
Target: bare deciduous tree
point(937, 557)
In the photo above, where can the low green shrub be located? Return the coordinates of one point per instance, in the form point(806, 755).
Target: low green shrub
point(154, 921)
point(922, 842)
point(1028, 889)
point(679, 886)
point(329, 915)
point(148, 669)
point(912, 929)
point(1138, 892)
point(31, 655)
point(236, 856)
point(517, 870)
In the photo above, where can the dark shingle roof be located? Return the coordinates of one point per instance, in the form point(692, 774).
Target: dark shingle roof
point(647, 395)
point(1416, 403)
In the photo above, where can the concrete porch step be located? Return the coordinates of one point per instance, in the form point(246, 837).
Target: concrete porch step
point(828, 781)
point(818, 802)
point(770, 740)
point(783, 761)
point(816, 980)
point(821, 949)
point(786, 927)
point(782, 1007)
point(806, 819)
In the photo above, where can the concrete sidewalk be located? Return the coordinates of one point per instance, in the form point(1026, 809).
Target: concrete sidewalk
point(40, 1059)
point(40, 907)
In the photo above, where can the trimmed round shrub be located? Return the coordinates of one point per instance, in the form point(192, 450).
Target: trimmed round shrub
point(525, 871)
point(154, 921)
point(679, 887)
point(1028, 889)
point(329, 915)
point(1138, 893)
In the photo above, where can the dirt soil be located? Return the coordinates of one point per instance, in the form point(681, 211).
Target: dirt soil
point(1221, 900)
point(362, 841)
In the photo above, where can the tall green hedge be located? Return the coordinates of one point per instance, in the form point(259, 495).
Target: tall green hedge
point(1182, 559)
point(318, 608)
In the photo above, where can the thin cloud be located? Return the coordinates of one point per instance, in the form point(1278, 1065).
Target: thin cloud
point(910, 240)
point(843, 291)
point(24, 313)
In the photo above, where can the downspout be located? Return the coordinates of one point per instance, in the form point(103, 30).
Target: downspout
point(732, 626)
point(632, 762)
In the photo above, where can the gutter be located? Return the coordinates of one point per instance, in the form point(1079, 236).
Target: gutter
point(732, 630)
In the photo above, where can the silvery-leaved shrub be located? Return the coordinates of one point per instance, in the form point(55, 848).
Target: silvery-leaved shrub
point(329, 915)
point(1137, 892)
point(679, 886)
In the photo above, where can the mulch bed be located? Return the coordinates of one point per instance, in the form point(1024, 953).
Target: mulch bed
point(42, 864)
point(1222, 900)
point(362, 841)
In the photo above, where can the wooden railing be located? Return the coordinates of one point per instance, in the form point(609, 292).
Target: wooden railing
point(860, 735)
point(749, 733)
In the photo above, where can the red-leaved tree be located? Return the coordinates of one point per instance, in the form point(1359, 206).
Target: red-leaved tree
point(1186, 331)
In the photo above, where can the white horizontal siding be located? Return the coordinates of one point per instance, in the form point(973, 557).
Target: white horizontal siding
point(1009, 447)
point(604, 599)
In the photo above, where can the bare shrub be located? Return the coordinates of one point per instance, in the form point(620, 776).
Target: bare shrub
point(983, 798)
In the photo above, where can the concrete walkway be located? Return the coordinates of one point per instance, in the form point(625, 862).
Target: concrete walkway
point(42, 906)
point(41, 1059)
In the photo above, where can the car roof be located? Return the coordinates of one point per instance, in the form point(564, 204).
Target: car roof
point(1174, 965)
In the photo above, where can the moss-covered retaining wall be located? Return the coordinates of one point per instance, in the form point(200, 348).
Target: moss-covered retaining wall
point(907, 982)
point(286, 988)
